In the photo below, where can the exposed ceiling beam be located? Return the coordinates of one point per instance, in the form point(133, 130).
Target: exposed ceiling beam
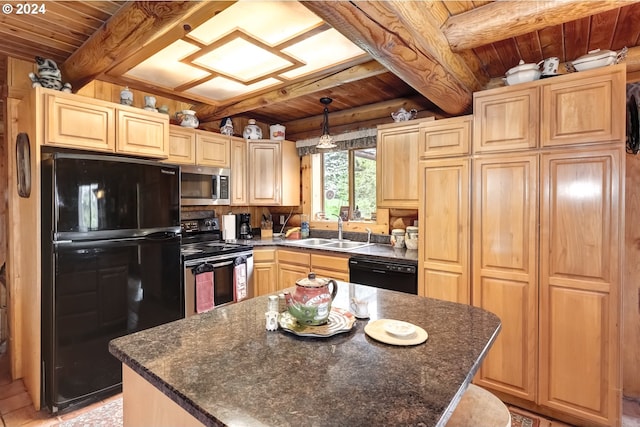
point(377, 29)
point(283, 94)
point(381, 110)
point(128, 30)
point(503, 19)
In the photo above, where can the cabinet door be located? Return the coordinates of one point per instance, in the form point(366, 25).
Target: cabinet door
point(505, 119)
point(182, 146)
point(79, 124)
point(213, 149)
point(580, 274)
point(239, 172)
point(143, 133)
point(292, 266)
point(265, 277)
point(443, 264)
point(584, 109)
point(265, 173)
point(505, 268)
point(397, 166)
point(446, 137)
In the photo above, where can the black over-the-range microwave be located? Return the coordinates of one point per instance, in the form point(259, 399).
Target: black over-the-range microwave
point(201, 185)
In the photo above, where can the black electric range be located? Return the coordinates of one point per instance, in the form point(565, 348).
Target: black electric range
point(202, 238)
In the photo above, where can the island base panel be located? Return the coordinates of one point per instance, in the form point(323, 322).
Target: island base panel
point(144, 405)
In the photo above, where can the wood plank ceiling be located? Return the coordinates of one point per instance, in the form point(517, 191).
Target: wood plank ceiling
point(430, 56)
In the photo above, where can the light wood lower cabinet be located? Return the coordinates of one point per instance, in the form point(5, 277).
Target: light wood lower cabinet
point(505, 260)
point(331, 266)
point(443, 266)
point(265, 275)
point(580, 274)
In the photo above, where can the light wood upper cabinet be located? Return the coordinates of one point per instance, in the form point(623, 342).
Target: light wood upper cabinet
point(505, 264)
point(71, 121)
point(182, 145)
point(446, 137)
point(580, 272)
point(274, 175)
point(505, 119)
point(397, 164)
point(443, 266)
point(587, 109)
point(75, 121)
point(213, 149)
point(239, 172)
point(142, 133)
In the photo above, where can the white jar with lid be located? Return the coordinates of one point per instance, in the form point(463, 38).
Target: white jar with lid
point(397, 238)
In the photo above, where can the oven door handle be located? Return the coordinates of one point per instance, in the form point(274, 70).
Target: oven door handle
point(205, 267)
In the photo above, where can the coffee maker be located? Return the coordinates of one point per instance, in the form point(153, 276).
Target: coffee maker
point(243, 226)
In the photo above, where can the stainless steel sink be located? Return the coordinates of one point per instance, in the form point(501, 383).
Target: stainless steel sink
point(311, 242)
point(345, 245)
point(329, 244)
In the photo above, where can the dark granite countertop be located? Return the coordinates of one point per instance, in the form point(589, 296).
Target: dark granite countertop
point(224, 368)
point(374, 250)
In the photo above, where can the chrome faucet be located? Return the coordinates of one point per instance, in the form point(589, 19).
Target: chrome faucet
point(368, 235)
point(339, 226)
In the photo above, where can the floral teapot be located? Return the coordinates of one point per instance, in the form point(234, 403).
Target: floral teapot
point(403, 115)
point(188, 119)
point(310, 303)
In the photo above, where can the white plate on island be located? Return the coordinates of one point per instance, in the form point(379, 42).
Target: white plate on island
point(395, 332)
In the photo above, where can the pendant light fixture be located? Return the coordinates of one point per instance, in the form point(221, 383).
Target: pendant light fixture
point(325, 140)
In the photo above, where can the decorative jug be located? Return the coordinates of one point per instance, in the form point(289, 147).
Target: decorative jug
point(188, 118)
point(252, 131)
point(403, 115)
point(310, 303)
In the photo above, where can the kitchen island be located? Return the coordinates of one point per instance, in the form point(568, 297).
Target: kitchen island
point(224, 368)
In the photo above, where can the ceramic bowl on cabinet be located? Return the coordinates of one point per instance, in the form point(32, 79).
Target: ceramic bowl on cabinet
point(595, 59)
point(522, 73)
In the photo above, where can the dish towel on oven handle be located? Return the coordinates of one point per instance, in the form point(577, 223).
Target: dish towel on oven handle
point(240, 278)
point(204, 287)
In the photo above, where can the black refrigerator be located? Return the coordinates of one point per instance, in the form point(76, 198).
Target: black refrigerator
point(110, 267)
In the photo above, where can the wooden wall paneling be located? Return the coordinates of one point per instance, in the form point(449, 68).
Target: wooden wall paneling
point(631, 290)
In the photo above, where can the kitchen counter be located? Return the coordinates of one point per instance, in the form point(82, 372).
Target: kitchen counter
point(224, 368)
point(374, 249)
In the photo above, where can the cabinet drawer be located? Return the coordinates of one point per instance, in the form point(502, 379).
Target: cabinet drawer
point(293, 257)
point(337, 263)
point(264, 255)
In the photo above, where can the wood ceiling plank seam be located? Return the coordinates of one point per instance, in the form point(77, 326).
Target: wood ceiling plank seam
point(628, 27)
point(99, 10)
point(490, 59)
point(529, 47)
point(80, 12)
point(509, 53)
point(576, 38)
point(603, 27)
point(549, 45)
point(39, 26)
point(57, 15)
point(18, 49)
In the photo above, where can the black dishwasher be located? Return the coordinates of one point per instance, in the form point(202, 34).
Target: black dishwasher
point(380, 273)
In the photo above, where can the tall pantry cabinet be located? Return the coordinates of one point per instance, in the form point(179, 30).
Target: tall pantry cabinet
point(546, 231)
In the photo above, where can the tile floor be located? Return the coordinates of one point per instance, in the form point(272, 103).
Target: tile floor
point(16, 409)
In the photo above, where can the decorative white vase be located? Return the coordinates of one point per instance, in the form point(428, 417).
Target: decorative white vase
point(188, 119)
point(252, 131)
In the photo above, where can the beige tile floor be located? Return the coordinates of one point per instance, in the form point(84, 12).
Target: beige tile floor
point(16, 409)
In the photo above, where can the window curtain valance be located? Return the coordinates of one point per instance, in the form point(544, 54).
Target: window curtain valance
point(364, 138)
